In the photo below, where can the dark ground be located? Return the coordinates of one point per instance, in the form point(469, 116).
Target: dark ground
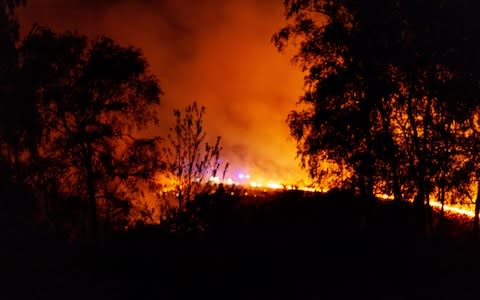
point(295, 247)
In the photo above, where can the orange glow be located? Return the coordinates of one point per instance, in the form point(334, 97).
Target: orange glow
point(385, 197)
point(453, 209)
point(458, 209)
point(218, 53)
point(274, 186)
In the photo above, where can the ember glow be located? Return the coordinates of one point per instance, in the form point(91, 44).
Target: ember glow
point(218, 53)
point(247, 182)
point(458, 209)
point(453, 209)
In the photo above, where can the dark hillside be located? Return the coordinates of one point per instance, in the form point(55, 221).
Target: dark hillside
point(311, 247)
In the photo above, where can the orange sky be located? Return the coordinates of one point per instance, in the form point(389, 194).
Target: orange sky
point(218, 53)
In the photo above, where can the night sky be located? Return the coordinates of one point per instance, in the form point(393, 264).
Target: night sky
point(218, 53)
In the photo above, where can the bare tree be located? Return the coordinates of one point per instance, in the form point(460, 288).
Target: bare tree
point(190, 160)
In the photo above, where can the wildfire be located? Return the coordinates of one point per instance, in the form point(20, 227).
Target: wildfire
point(246, 180)
point(453, 209)
point(464, 210)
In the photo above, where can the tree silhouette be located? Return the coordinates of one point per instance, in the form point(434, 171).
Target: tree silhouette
point(388, 89)
point(9, 34)
point(17, 120)
point(469, 168)
point(16, 113)
point(190, 160)
point(92, 100)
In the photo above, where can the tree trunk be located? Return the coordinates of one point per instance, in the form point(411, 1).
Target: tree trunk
point(397, 192)
point(107, 223)
point(368, 165)
point(421, 202)
point(428, 213)
point(427, 119)
point(420, 197)
point(476, 225)
point(365, 178)
point(92, 221)
point(180, 198)
point(442, 199)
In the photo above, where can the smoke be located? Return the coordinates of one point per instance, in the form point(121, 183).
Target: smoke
point(218, 53)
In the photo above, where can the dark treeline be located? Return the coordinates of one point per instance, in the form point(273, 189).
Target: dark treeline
point(289, 246)
point(392, 96)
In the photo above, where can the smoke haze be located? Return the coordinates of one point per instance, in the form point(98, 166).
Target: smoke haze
point(218, 53)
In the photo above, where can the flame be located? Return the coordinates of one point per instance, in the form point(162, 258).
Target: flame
point(453, 209)
point(458, 209)
point(463, 210)
point(385, 196)
point(274, 186)
point(247, 180)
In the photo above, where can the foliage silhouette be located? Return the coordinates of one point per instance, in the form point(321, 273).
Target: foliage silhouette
point(17, 131)
point(390, 87)
point(73, 112)
point(93, 112)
